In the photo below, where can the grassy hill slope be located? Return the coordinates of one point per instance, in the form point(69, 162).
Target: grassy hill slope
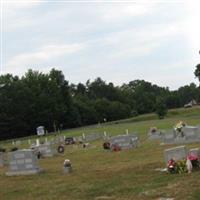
point(104, 175)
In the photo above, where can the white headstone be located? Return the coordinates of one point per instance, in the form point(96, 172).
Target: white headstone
point(105, 134)
point(37, 142)
point(40, 130)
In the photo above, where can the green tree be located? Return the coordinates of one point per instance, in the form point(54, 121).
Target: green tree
point(161, 109)
point(197, 71)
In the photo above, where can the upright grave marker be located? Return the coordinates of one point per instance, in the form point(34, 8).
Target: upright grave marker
point(93, 137)
point(46, 150)
point(23, 162)
point(175, 153)
point(124, 141)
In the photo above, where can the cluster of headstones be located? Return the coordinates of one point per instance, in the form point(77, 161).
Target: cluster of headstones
point(188, 134)
point(23, 162)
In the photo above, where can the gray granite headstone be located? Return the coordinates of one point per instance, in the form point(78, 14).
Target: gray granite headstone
point(188, 134)
point(154, 135)
point(169, 137)
point(46, 150)
point(176, 153)
point(93, 137)
point(191, 133)
point(23, 162)
point(124, 141)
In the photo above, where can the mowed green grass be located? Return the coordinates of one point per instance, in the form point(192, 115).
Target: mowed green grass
point(103, 175)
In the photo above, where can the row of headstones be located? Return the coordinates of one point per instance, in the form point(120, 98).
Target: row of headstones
point(188, 134)
point(179, 153)
point(24, 162)
point(61, 139)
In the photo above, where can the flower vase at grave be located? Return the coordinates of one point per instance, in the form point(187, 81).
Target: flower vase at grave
point(67, 167)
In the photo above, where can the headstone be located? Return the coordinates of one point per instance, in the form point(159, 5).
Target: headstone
point(40, 130)
point(46, 150)
point(18, 143)
point(154, 134)
point(105, 136)
point(23, 162)
point(188, 134)
point(176, 153)
point(93, 137)
point(126, 131)
point(46, 140)
point(124, 141)
point(1, 159)
point(29, 142)
point(169, 137)
point(37, 142)
point(13, 143)
point(191, 133)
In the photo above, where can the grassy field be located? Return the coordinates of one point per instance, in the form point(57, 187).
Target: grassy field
point(104, 175)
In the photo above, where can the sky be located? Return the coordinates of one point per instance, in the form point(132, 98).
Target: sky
point(119, 41)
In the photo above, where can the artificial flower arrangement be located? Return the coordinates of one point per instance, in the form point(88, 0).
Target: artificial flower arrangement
point(178, 127)
point(183, 166)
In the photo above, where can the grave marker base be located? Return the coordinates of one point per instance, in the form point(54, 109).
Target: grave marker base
point(27, 172)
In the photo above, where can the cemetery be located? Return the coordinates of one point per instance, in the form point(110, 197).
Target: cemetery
point(92, 173)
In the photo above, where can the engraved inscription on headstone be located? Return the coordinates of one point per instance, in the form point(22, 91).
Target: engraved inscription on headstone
point(23, 162)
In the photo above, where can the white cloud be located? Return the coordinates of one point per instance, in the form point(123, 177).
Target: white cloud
point(120, 11)
point(47, 53)
point(15, 5)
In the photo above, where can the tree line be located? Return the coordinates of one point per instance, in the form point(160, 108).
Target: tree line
point(48, 99)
